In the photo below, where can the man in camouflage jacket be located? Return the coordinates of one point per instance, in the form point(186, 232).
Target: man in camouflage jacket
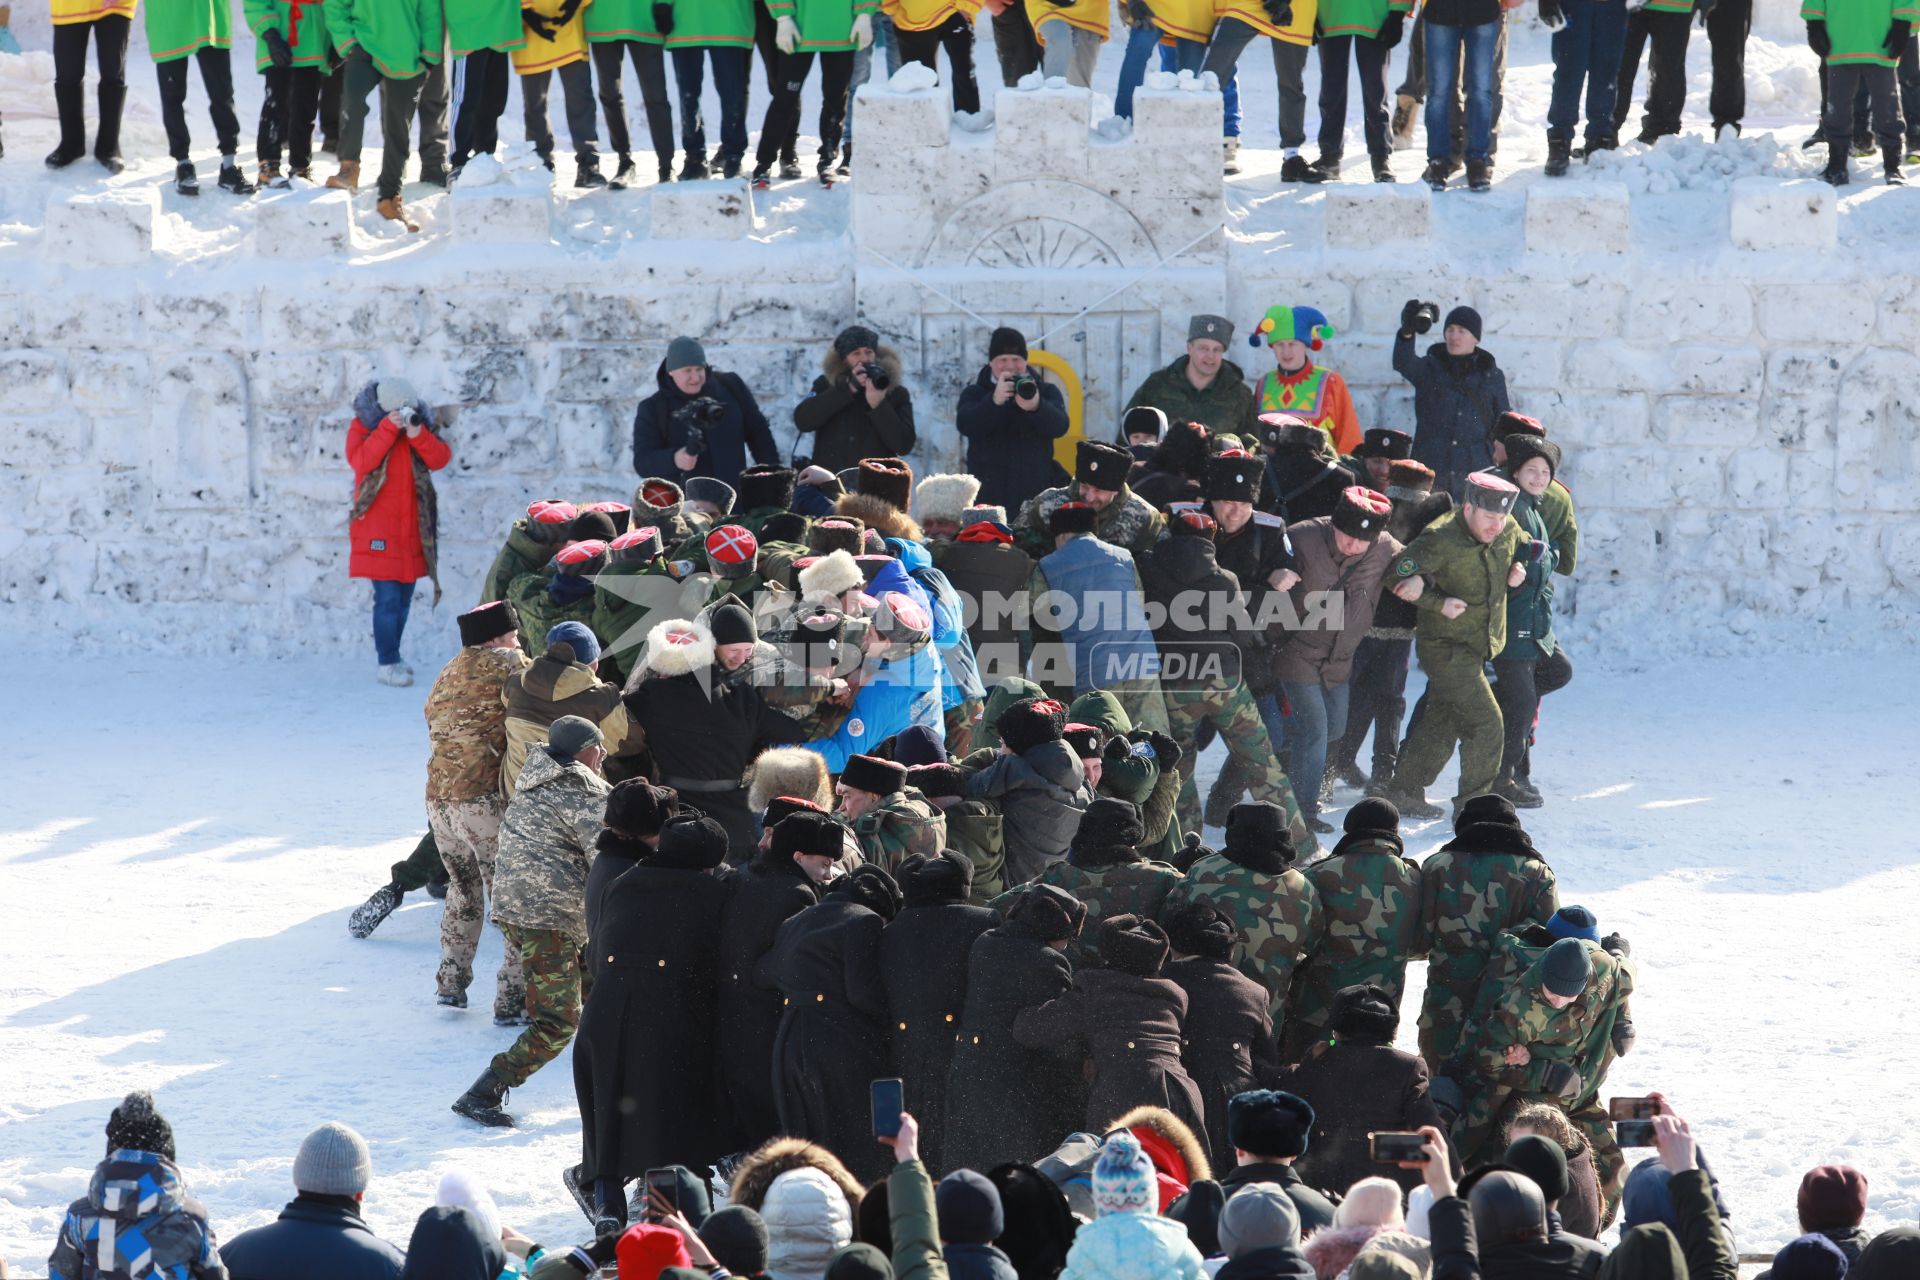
point(1105, 872)
point(1370, 900)
point(889, 818)
point(1274, 906)
point(466, 724)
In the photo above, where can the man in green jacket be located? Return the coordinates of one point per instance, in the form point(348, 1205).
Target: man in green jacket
point(1860, 42)
point(1369, 29)
point(201, 30)
point(390, 45)
point(720, 32)
point(617, 30)
point(290, 50)
point(1457, 574)
point(1203, 385)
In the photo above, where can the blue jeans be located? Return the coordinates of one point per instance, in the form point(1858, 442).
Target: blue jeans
point(1275, 719)
point(731, 68)
point(391, 603)
point(1443, 52)
point(1316, 716)
point(1141, 42)
point(1229, 91)
point(1587, 48)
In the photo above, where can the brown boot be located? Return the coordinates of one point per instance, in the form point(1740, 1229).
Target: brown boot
point(394, 209)
point(348, 179)
point(269, 173)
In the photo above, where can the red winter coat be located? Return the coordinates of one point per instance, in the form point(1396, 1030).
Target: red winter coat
point(386, 540)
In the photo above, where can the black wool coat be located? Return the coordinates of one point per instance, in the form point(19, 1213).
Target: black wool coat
point(1228, 1046)
point(762, 896)
point(643, 1058)
point(1301, 485)
point(615, 857)
point(1128, 1028)
point(926, 987)
point(1006, 1102)
point(832, 1042)
point(1355, 1088)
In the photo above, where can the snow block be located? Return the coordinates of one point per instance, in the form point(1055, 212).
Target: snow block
point(303, 224)
point(500, 213)
point(1042, 133)
point(715, 209)
point(1363, 217)
point(1769, 213)
point(923, 118)
point(110, 229)
point(1175, 117)
point(1578, 218)
point(1809, 313)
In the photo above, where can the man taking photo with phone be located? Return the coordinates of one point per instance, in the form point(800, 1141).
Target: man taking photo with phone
point(1010, 418)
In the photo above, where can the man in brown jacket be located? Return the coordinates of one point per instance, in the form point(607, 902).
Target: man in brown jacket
point(1342, 560)
point(466, 723)
point(563, 681)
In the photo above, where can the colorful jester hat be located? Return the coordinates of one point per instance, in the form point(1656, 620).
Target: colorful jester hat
point(1282, 323)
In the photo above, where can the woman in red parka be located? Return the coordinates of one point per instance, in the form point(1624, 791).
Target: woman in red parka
point(395, 525)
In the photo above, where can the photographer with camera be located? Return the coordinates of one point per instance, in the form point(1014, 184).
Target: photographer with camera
point(701, 422)
point(1459, 392)
point(857, 408)
point(1010, 419)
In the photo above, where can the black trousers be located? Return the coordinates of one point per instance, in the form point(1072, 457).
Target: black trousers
point(1371, 57)
point(216, 76)
point(780, 130)
point(576, 84)
point(330, 89)
point(1549, 675)
point(1377, 701)
point(483, 100)
point(1727, 29)
point(1666, 71)
point(109, 36)
point(955, 35)
point(1842, 81)
point(286, 115)
point(650, 65)
point(1014, 44)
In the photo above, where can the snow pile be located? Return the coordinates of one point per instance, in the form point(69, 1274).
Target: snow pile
point(1030, 81)
point(1690, 162)
point(1160, 80)
point(980, 121)
point(1114, 129)
point(913, 77)
point(483, 171)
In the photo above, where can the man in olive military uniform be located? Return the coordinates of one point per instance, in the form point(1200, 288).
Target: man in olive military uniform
point(1203, 385)
point(530, 545)
point(1457, 573)
point(889, 818)
point(561, 590)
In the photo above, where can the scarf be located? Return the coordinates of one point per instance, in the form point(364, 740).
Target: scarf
point(426, 507)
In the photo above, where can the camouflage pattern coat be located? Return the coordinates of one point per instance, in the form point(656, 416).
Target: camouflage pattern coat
point(467, 723)
point(1487, 879)
point(543, 691)
point(1111, 882)
point(547, 846)
point(1276, 909)
point(1129, 521)
point(907, 823)
point(1370, 899)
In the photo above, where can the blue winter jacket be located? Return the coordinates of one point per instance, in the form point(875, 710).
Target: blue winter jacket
point(136, 1219)
point(1105, 626)
point(899, 693)
point(961, 669)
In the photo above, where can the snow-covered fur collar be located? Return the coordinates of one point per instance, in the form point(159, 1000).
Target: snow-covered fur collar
point(880, 515)
point(678, 646)
point(834, 365)
point(788, 771)
point(830, 576)
point(757, 1172)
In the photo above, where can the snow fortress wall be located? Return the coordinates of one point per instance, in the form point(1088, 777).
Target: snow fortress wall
point(1732, 371)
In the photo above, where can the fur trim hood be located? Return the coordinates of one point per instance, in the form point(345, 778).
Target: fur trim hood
point(757, 1172)
point(946, 496)
point(789, 771)
point(1333, 1250)
point(880, 515)
point(1172, 1134)
point(829, 576)
point(678, 646)
point(834, 365)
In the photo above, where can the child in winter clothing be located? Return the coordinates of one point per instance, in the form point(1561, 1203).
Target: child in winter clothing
point(1128, 1240)
point(109, 23)
point(557, 42)
point(290, 50)
point(202, 30)
point(391, 45)
point(136, 1217)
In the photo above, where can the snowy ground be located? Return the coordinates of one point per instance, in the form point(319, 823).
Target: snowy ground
point(177, 920)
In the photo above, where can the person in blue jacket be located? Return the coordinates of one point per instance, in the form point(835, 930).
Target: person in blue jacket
point(136, 1218)
point(320, 1235)
point(902, 684)
point(962, 693)
point(696, 398)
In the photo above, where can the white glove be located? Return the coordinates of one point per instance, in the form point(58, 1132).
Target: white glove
point(863, 30)
point(785, 35)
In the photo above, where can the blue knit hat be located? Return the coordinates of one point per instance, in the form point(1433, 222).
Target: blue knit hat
point(577, 636)
point(1574, 922)
point(1810, 1257)
point(1123, 1178)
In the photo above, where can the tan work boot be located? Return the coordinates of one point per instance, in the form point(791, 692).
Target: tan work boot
point(269, 173)
point(394, 209)
point(1404, 111)
point(348, 179)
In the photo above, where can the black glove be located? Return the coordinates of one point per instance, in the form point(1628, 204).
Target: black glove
point(1897, 36)
point(1139, 13)
point(1448, 1099)
point(1165, 750)
point(1279, 12)
point(567, 11)
point(277, 51)
point(1818, 40)
point(1392, 29)
point(542, 27)
point(1117, 750)
point(1561, 1080)
point(1551, 14)
point(1623, 1036)
point(1701, 10)
point(1410, 313)
point(1616, 944)
point(604, 1250)
point(663, 19)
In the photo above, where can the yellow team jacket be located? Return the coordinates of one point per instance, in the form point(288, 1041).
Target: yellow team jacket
point(66, 13)
point(1088, 15)
point(565, 49)
point(1185, 19)
point(925, 15)
point(1254, 14)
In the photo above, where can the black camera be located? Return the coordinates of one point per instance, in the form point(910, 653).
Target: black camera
point(1426, 317)
point(1026, 386)
point(876, 376)
point(696, 416)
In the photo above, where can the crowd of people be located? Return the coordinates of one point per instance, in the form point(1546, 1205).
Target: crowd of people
point(443, 68)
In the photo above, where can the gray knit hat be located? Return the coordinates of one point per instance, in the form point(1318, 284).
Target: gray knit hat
point(570, 735)
point(685, 353)
point(333, 1161)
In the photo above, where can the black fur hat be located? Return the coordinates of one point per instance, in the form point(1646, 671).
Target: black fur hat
point(1202, 929)
point(137, 1125)
point(872, 888)
point(764, 486)
point(638, 808)
point(1365, 1013)
point(1050, 912)
point(807, 831)
point(1133, 945)
point(946, 877)
point(1268, 1122)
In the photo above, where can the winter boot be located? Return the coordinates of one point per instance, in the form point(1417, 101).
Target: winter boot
point(570, 1177)
point(1518, 793)
point(106, 143)
point(824, 172)
point(1412, 802)
point(588, 177)
point(1230, 149)
point(452, 999)
point(1836, 170)
point(762, 178)
point(1404, 110)
point(546, 158)
point(626, 175)
point(437, 177)
point(394, 209)
point(1863, 146)
point(1382, 170)
point(1437, 173)
point(483, 1101)
point(665, 175)
point(235, 182)
point(71, 100)
point(1890, 157)
point(1296, 169)
point(1328, 167)
point(730, 166)
point(367, 916)
point(845, 167)
point(1347, 773)
point(1559, 156)
point(268, 174)
point(693, 167)
point(396, 675)
point(1479, 175)
point(185, 180)
point(348, 179)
